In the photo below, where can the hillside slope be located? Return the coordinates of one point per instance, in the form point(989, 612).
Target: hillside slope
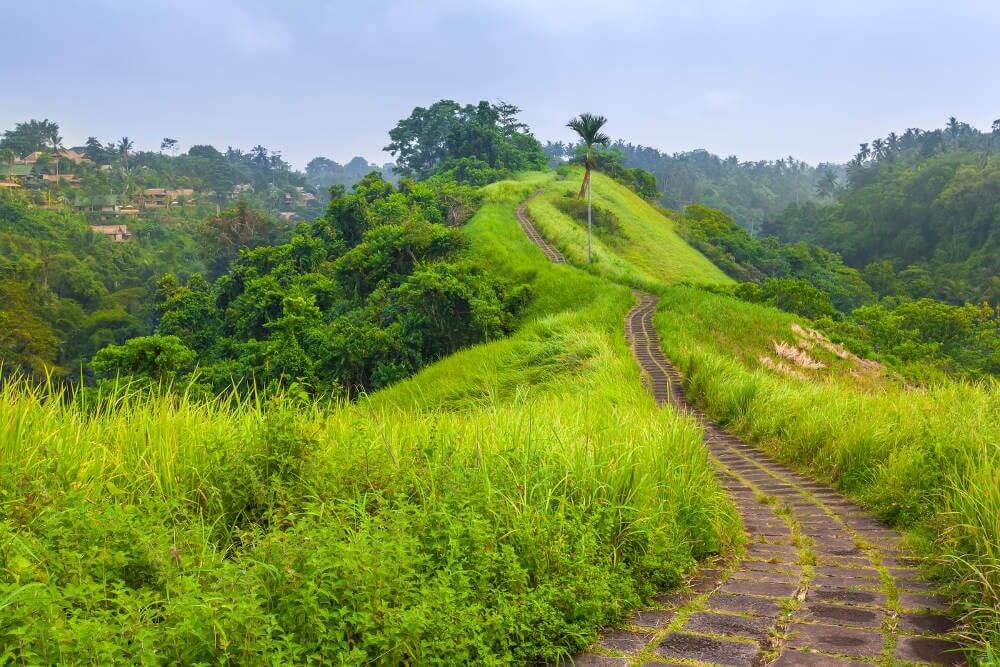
point(735, 358)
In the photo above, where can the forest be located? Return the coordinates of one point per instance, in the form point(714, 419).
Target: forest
point(917, 214)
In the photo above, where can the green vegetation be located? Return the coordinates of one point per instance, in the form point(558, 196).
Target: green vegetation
point(498, 507)
point(750, 192)
point(923, 338)
point(67, 291)
point(925, 459)
point(475, 144)
point(646, 252)
point(357, 299)
point(918, 215)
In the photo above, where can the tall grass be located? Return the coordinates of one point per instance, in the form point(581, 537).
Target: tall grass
point(649, 251)
point(497, 508)
point(925, 459)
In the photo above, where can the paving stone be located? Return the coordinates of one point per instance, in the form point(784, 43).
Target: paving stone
point(594, 660)
point(674, 598)
point(761, 566)
point(706, 649)
point(843, 561)
point(754, 627)
point(775, 552)
point(927, 649)
point(853, 572)
point(793, 658)
point(845, 595)
point(907, 561)
point(743, 604)
point(772, 577)
point(759, 588)
point(625, 641)
point(652, 618)
point(847, 582)
point(834, 639)
point(832, 614)
point(914, 585)
point(920, 601)
point(926, 623)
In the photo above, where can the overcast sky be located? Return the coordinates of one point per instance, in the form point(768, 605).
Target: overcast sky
point(755, 79)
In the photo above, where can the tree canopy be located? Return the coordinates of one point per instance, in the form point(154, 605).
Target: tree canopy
point(448, 136)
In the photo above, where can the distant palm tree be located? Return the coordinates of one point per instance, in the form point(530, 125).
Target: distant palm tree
point(878, 148)
point(863, 153)
point(827, 184)
point(124, 146)
point(55, 143)
point(588, 126)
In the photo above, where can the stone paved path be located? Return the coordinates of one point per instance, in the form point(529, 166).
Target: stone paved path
point(821, 582)
point(529, 229)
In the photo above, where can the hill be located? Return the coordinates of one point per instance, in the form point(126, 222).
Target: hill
point(501, 504)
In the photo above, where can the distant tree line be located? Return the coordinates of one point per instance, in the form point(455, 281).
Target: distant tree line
point(918, 213)
point(919, 336)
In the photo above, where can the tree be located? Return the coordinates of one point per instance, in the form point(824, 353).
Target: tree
point(123, 147)
point(28, 137)
point(431, 140)
point(169, 145)
point(155, 358)
point(54, 142)
point(588, 126)
point(96, 151)
point(827, 184)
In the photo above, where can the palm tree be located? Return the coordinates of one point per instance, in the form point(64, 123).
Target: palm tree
point(878, 148)
point(55, 143)
point(588, 126)
point(827, 184)
point(124, 146)
point(863, 153)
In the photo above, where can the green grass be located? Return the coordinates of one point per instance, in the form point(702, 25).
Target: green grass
point(499, 507)
point(649, 254)
point(925, 459)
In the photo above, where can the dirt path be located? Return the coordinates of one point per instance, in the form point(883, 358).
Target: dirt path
point(821, 582)
point(522, 216)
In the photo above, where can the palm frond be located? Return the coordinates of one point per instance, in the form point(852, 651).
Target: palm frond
point(588, 126)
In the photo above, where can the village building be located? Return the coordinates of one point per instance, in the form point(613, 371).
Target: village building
point(116, 233)
point(165, 198)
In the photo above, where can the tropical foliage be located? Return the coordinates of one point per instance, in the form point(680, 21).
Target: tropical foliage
point(476, 144)
point(918, 212)
point(359, 298)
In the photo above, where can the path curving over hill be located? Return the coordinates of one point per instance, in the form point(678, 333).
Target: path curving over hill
point(547, 248)
point(821, 582)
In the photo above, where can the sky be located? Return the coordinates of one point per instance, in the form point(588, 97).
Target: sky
point(759, 80)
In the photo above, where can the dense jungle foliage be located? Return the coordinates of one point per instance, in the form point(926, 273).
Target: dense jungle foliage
point(918, 214)
point(921, 336)
point(359, 298)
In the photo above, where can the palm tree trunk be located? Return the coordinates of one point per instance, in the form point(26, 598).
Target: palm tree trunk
point(590, 201)
point(586, 182)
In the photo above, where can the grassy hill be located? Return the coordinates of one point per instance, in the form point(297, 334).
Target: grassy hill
point(642, 249)
point(499, 506)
